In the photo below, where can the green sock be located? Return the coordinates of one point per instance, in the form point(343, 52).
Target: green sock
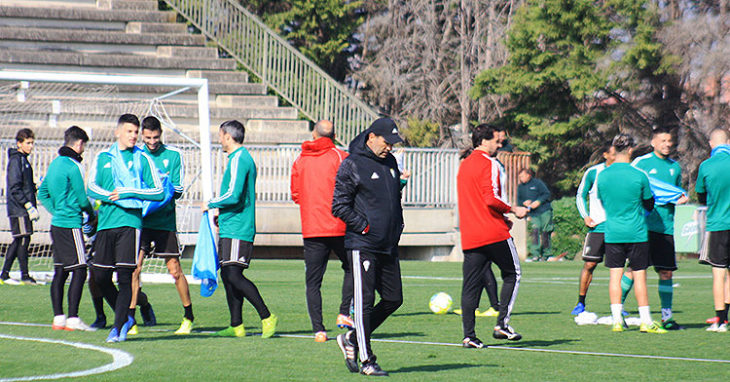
point(626, 285)
point(666, 290)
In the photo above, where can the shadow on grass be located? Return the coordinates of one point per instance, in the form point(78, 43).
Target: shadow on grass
point(432, 368)
point(412, 314)
point(533, 313)
point(525, 344)
point(397, 335)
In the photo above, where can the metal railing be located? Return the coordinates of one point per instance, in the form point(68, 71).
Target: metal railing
point(432, 184)
point(279, 65)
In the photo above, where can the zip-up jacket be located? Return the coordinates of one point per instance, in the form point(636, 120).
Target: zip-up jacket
point(20, 186)
point(101, 185)
point(482, 202)
point(534, 190)
point(68, 199)
point(312, 186)
point(367, 193)
point(236, 203)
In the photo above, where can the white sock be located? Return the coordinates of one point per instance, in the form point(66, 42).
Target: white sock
point(616, 310)
point(645, 315)
point(666, 313)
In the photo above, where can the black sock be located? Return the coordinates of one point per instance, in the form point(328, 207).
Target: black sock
point(189, 312)
point(727, 307)
point(721, 315)
point(75, 290)
point(142, 300)
point(98, 306)
point(57, 286)
point(121, 312)
point(582, 299)
point(132, 313)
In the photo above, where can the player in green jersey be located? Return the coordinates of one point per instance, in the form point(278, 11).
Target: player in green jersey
point(625, 193)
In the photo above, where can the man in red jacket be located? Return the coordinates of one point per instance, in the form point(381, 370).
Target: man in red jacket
point(485, 236)
point(312, 185)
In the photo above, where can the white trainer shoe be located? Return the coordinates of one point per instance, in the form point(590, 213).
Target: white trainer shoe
point(59, 322)
point(75, 323)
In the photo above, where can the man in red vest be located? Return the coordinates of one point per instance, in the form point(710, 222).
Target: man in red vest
point(312, 185)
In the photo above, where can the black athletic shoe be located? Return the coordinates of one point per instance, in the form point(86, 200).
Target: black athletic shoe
point(27, 280)
point(506, 333)
point(100, 322)
point(373, 369)
point(148, 315)
point(349, 350)
point(472, 343)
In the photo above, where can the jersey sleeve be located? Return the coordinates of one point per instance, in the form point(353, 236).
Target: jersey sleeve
point(294, 181)
point(700, 187)
point(584, 188)
point(44, 196)
point(543, 192)
point(489, 188)
point(239, 172)
point(76, 177)
point(645, 187)
point(177, 175)
point(95, 189)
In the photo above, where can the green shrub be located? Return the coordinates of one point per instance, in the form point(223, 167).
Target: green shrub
point(569, 228)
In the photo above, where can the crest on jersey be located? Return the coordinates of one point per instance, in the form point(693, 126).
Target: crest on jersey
point(366, 265)
point(165, 162)
point(374, 176)
point(392, 172)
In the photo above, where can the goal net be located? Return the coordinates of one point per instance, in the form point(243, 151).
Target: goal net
point(49, 103)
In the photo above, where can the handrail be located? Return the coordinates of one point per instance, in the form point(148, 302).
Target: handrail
point(279, 65)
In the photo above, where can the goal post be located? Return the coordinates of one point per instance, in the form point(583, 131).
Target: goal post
point(48, 103)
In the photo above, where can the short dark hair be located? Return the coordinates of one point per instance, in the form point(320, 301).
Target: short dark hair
point(660, 130)
point(235, 129)
point(528, 171)
point(24, 134)
point(325, 128)
point(128, 118)
point(622, 142)
point(74, 134)
point(606, 147)
point(483, 131)
point(151, 123)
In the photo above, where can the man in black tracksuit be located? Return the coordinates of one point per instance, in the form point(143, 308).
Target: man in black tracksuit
point(367, 198)
point(21, 205)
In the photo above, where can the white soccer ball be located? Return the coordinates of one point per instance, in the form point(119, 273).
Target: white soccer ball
point(440, 303)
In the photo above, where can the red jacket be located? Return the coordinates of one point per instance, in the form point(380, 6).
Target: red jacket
point(312, 185)
point(482, 202)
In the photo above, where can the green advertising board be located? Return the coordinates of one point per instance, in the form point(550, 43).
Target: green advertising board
point(688, 228)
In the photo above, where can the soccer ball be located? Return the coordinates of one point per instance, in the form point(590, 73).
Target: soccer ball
point(440, 303)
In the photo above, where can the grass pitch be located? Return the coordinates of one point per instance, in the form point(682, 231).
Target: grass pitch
point(553, 348)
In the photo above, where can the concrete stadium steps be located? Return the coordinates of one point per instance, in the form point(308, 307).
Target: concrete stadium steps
point(75, 14)
point(142, 5)
point(144, 27)
point(61, 36)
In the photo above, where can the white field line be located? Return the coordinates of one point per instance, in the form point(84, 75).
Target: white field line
point(555, 351)
point(120, 358)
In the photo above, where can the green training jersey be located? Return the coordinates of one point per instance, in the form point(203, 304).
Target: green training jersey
point(661, 219)
point(63, 193)
point(237, 200)
point(713, 179)
point(621, 189)
point(168, 161)
point(587, 198)
point(101, 185)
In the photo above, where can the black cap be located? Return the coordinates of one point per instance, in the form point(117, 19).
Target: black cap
point(386, 128)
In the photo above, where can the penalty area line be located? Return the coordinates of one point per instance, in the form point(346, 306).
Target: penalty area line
point(120, 358)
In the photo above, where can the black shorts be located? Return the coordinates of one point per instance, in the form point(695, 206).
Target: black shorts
point(21, 226)
point(68, 248)
point(165, 243)
point(117, 247)
point(661, 252)
point(716, 249)
point(636, 253)
point(234, 252)
point(594, 247)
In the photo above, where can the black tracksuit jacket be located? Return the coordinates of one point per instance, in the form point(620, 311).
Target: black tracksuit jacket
point(20, 186)
point(367, 193)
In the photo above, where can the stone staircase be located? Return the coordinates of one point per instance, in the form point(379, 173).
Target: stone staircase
point(132, 37)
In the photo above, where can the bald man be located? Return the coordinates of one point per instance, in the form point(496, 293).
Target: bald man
point(711, 186)
point(312, 185)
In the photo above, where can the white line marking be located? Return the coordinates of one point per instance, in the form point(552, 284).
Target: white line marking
point(120, 358)
point(573, 352)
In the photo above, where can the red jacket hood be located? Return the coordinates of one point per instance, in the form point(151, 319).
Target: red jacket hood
point(317, 147)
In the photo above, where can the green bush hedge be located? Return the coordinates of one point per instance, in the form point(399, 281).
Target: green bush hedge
point(569, 228)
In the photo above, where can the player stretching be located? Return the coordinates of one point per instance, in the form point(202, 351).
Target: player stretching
point(485, 235)
point(594, 216)
point(237, 221)
point(115, 181)
point(660, 221)
point(623, 190)
point(159, 229)
point(66, 203)
point(712, 188)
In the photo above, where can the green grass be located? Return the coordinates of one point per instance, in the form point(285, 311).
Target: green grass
point(541, 314)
